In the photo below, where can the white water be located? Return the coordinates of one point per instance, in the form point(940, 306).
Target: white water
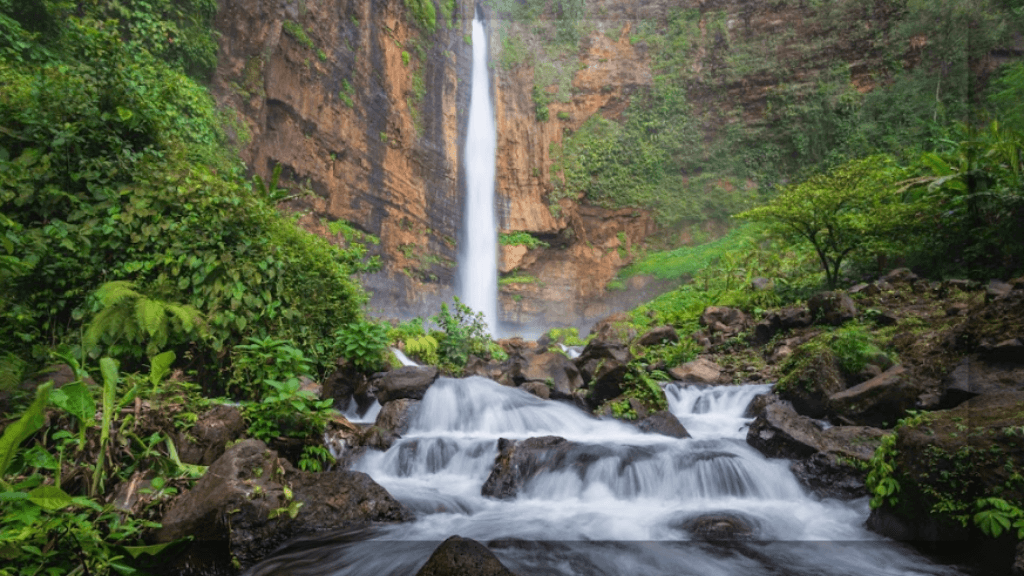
point(478, 265)
point(614, 504)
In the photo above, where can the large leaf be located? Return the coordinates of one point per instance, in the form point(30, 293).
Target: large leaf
point(29, 422)
point(76, 399)
point(160, 367)
point(50, 498)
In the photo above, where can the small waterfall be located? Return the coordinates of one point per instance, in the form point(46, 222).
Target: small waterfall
point(478, 262)
point(610, 501)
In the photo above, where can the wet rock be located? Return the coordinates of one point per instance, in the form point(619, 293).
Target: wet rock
point(866, 289)
point(459, 556)
point(758, 404)
point(346, 384)
point(719, 526)
point(663, 422)
point(519, 461)
point(603, 366)
point(833, 308)
point(782, 433)
point(879, 402)
point(396, 416)
point(658, 335)
point(552, 369)
point(701, 370)
point(376, 438)
point(615, 329)
point(229, 509)
point(974, 376)
point(538, 389)
point(405, 382)
point(204, 443)
point(830, 477)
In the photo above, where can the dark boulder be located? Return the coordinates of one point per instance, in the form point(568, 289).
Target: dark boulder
point(405, 382)
point(782, 433)
point(603, 365)
point(551, 369)
point(1018, 561)
point(396, 416)
point(204, 443)
point(658, 335)
point(240, 508)
point(663, 422)
point(833, 308)
point(880, 401)
point(974, 376)
point(997, 289)
point(459, 556)
point(900, 276)
point(792, 318)
point(724, 321)
point(812, 376)
point(719, 526)
point(830, 477)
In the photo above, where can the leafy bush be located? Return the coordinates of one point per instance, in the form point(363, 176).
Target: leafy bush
point(364, 344)
point(127, 320)
point(287, 411)
point(521, 238)
point(267, 359)
point(462, 332)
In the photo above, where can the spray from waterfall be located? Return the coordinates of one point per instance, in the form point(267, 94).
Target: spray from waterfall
point(478, 266)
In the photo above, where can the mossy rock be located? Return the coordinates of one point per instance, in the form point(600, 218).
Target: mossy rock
point(811, 375)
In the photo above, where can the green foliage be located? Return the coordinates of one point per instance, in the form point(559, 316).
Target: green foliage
point(462, 332)
point(995, 516)
point(16, 433)
point(287, 411)
point(129, 323)
point(364, 344)
point(517, 278)
point(851, 208)
point(423, 14)
point(971, 201)
point(520, 238)
point(623, 410)
point(266, 359)
point(314, 458)
point(569, 336)
point(1006, 97)
point(296, 31)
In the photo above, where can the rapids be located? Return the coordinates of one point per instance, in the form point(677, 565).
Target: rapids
point(617, 505)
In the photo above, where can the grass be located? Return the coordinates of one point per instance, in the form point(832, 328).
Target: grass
point(687, 261)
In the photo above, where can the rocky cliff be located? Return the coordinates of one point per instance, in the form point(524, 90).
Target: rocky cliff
point(365, 107)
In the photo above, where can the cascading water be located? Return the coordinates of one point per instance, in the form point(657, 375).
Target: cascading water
point(478, 266)
point(616, 501)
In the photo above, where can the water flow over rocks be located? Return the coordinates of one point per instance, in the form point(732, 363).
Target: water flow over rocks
point(600, 496)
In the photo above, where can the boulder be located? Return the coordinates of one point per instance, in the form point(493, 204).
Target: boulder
point(1010, 351)
point(997, 289)
point(866, 289)
point(900, 276)
point(833, 308)
point(658, 335)
point(782, 433)
point(812, 375)
point(615, 329)
point(762, 284)
point(405, 382)
point(974, 376)
point(719, 526)
point(791, 318)
point(663, 422)
point(396, 416)
point(538, 389)
point(239, 508)
point(519, 461)
point(767, 328)
point(204, 443)
point(603, 365)
point(553, 369)
point(346, 384)
point(459, 556)
point(724, 320)
point(701, 370)
point(880, 401)
point(1018, 561)
point(828, 476)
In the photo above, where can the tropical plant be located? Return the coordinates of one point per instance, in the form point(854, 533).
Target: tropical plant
point(287, 410)
point(131, 323)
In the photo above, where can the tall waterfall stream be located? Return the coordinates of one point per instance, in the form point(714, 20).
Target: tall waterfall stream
point(618, 504)
point(478, 262)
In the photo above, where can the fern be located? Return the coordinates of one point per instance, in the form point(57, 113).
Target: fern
point(424, 348)
point(129, 319)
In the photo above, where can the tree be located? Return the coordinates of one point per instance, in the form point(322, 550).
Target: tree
point(854, 207)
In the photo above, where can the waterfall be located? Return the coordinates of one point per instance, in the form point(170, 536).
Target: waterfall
point(478, 265)
point(611, 501)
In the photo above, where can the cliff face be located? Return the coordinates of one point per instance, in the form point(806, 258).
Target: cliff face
point(365, 110)
point(368, 111)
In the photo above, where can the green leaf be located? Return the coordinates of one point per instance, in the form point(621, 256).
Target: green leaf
point(151, 550)
point(76, 400)
point(17, 432)
point(50, 498)
point(160, 367)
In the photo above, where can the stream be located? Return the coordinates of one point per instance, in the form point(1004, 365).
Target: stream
point(618, 505)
